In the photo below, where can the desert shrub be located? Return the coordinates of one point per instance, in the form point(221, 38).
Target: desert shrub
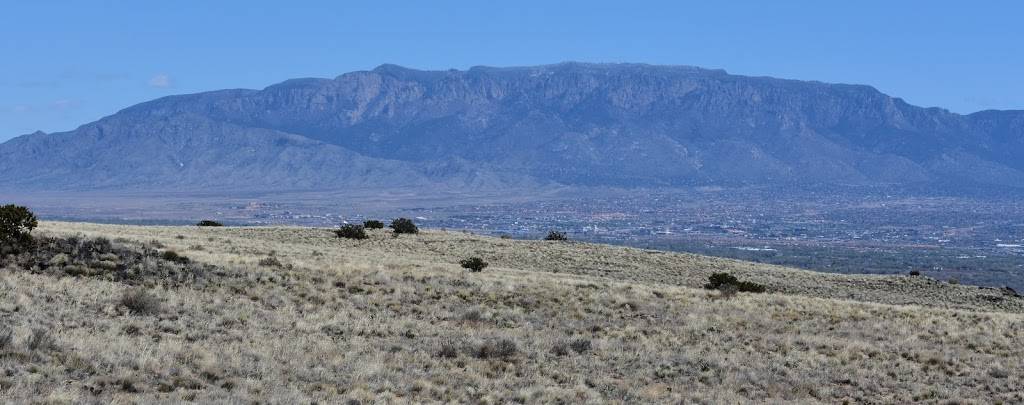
point(556, 235)
point(208, 222)
point(373, 224)
point(726, 291)
point(16, 225)
point(564, 348)
point(915, 273)
point(953, 281)
point(138, 301)
point(6, 338)
point(560, 349)
point(40, 339)
point(473, 315)
point(131, 330)
point(580, 345)
point(474, 264)
point(497, 349)
point(404, 225)
point(351, 231)
point(173, 256)
point(448, 350)
point(270, 262)
point(726, 281)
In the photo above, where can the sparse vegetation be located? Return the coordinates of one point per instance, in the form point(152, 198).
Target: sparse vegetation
point(209, 222)
point(16, 225)
point(351, 231)
point(404, 225)
point(474, 264)
point(390, 321)
point(373, 224)
point(556, 235)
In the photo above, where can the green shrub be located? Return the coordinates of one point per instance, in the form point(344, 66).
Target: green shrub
point(556, 235)
point(719, 279)
point(351, 231)
point(373, 224)
point(404, 225)
point(474, 264)
point(16, 225)
point(726, 281)
point(751, 287)
point(208, 222)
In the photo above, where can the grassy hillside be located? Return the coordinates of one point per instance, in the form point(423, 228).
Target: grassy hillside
point(295, 315)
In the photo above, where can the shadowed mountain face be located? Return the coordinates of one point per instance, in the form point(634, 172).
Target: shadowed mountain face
point(571, 123)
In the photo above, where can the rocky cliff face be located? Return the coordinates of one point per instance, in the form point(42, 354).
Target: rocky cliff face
point(571, 123)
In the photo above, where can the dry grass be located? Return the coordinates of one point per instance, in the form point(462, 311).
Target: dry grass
point(398, 320)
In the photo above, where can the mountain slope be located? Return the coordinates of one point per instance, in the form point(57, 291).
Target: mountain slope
point(571, 123)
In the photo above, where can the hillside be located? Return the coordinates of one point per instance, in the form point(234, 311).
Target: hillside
point(486, 128)
point(397, 319)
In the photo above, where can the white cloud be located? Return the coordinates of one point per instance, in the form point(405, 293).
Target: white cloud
point(161, 81)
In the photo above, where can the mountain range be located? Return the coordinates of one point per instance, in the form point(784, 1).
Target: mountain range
point(572, 124)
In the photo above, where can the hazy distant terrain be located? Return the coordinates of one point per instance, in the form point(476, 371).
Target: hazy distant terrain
point(826, 174)
point(522, 128)
point(296, 315)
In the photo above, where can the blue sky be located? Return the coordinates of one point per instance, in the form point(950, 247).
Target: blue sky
point(68, 63)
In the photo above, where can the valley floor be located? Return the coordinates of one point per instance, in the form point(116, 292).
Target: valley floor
point(293, 315)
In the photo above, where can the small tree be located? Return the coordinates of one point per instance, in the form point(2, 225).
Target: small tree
point(351, 231)
point(727, 282)
point(16, 225)
point(208, 222)
point(719, 279)
point(404, 225)
point(556, 235)
point(474, 264)
point(373, 224)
